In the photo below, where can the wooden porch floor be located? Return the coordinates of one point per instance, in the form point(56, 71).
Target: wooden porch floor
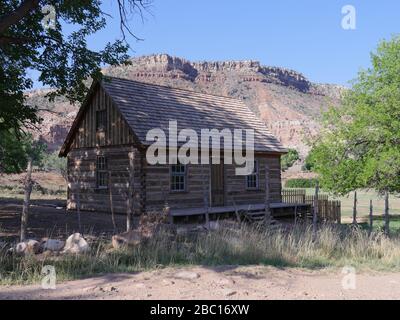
point(232, 209)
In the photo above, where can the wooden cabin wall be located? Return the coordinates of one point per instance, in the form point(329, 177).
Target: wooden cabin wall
point(158, 186)
point(236, 185)
point(117, 131)
point(82, 178)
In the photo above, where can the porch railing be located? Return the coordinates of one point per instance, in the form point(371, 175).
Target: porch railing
point(328, 210)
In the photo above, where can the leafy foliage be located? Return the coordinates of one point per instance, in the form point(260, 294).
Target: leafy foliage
point(301, 183)
point(60, 54)
point(309, 162)
point(14, 151)
point(52, 162)
point(360, 144)
point(289, 159)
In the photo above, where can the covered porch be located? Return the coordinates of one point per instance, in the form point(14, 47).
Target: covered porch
point(278, 210)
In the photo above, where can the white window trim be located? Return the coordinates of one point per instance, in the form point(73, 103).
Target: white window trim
point(256, 173)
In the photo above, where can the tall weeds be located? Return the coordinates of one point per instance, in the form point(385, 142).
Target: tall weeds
point(334, 246)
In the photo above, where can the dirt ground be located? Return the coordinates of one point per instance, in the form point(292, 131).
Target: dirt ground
point(48, 218)
point(226, 282)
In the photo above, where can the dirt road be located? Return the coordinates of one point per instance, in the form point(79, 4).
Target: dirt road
point(228, 282)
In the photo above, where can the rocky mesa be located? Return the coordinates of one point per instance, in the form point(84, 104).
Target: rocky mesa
point(285, 100)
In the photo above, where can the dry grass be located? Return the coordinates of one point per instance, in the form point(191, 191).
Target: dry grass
point(334, 246)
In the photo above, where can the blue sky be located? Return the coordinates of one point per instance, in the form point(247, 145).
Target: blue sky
point(302, 35)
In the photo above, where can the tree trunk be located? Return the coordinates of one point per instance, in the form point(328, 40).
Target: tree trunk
point(387, 229)
point(27, 198)
point(315, 212)
point(355, 209)
point(371, 216)
point(111, 203)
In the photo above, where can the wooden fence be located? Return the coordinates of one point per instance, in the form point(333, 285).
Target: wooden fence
point(328, 210)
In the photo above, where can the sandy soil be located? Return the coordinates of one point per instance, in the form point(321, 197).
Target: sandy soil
point(228, 282)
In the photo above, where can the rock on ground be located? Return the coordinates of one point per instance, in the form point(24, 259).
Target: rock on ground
point(187, 275)
point(52, 245)
point(28, 247)
point(76, 244)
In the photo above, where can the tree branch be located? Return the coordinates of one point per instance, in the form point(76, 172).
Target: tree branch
point(14, 17)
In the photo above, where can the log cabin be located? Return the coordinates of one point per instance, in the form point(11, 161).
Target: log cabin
point(106, 153)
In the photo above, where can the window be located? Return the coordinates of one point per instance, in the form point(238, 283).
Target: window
point(252, 179)
point(101, 172)
point(178, 177)
point(101, 120)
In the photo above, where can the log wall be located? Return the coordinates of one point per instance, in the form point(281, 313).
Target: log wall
point(82, 179)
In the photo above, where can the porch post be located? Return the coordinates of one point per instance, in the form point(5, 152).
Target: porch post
point(131, 192)
point(205, 195)
point(267, 194)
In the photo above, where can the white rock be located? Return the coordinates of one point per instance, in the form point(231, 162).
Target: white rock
point(27, 247)
point(20, 248)
point(76, 244)
point(187, 275)
point(53, 245)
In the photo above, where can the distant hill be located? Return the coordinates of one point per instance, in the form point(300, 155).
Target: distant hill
point(289, 104)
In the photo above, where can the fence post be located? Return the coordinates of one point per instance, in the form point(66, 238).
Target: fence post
point(315, 213)
point(371, 216)
point(387, 230)
point(355, 209)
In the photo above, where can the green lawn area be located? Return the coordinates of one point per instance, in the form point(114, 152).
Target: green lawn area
point(379, 223)
point(364, 196)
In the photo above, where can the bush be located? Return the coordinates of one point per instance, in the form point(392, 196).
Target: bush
point(309, 162)
point(52, 162)
point(289, 159)
point(301, 183)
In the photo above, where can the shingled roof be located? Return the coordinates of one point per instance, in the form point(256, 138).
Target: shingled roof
point(147, 106)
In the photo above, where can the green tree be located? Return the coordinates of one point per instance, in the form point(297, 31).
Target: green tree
point(52, 162)
point(61, 56)
point(14, 151)
point(309, 162)
point(360, 144)
point(289, 159)
point(26, 153)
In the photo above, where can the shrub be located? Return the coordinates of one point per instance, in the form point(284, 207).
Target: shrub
point(52, 162)
point(301, 183)
point(289, 159)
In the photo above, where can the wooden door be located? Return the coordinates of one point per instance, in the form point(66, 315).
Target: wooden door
point(217, 185)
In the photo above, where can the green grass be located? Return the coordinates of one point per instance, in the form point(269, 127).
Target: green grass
point(334, 246)
point(364, 196)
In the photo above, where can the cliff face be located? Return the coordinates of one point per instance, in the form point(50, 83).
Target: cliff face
point(288, 103)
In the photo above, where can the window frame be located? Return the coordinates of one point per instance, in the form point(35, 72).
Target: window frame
point(256, 174)
point(178, 174)
point(101, 120)
point(101, 173)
